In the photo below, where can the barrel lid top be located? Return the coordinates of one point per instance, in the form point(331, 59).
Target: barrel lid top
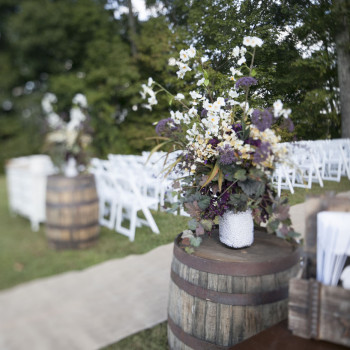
point(268, 254)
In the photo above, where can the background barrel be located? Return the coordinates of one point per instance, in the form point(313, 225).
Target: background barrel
point(71, 212)
point(220, 296)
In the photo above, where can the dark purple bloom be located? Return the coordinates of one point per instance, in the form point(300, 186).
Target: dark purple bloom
point(204, 113)
point(227, 155)
point(165, 127)
point(262, 152)
point(237, 127)
point(213, 142)
point(246, 82)
point(251, 141)
point(262, 119)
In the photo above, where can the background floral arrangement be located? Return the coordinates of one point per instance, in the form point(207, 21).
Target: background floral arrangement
point(67, 140)
point(228, 146)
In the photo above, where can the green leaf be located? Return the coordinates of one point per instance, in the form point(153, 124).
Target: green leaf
point(196, 241)
point(206, 82)
point(170, 101)
point(207, 224)
point(204, 202)
point(253, 73)
point(192, 224)
point(206, 75)
point(240, 174)
point(252, 187)
point(189, 250)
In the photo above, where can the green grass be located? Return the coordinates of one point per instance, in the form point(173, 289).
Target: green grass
point(25, 255)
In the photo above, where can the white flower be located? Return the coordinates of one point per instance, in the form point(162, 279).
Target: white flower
point(152, 100)
point(256, 41)
point(184, 56)
point(235, 71)
point(286, 113)
point(247, 41)
point(180, 74)
point(134, 108)
point(195, 95)
point(241, 61)
point(277, 108)
point(252, 41)
point(243, 51)
point(179, 97)
point(233, 93)
point(150, 82)
point(54, 121)
point(191, 52)
point(172, 61)
point(235, 51)
point(220, 101)
point(47, 102)
point(192, 112)
point(200, 81)
point(147, 106)
point(80, 100)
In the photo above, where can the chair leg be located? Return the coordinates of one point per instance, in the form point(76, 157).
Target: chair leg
point(150, 220)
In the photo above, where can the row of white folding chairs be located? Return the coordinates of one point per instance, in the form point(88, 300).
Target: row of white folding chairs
point(120, 199)
point(313, 161)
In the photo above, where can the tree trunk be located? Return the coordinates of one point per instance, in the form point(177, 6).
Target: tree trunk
point(132, 29)
point(342, 41)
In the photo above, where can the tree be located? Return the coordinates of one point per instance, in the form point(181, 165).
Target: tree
point(342, 40)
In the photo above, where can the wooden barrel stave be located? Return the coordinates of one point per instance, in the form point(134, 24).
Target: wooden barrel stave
point(222, 316)
point(71, 212)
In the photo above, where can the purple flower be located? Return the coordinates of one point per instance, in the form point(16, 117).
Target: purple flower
point(262, 119)
point(227, 155)
point(204, 113)
point(245, 82)
point(237, 127)
point(166, 127)
point(262, 152)
point(213, 142)
point(251, 141)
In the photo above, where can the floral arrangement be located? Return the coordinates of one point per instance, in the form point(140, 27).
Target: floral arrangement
point(227, 146)
point(67, 141)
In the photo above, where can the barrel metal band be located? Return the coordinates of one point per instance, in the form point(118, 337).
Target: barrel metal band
point(237, 268)
point(61, 244)
point(71, 205)
point(192, 341)
point(72, 227)
point(236, 299)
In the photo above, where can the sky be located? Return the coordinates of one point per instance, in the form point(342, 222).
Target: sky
point(138, 7)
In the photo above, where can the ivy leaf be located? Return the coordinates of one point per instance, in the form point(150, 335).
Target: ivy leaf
point(240, 174)
point(252, 188)
point(272, 226)
point(207, 224)
point(204, 202)
point(192, 224)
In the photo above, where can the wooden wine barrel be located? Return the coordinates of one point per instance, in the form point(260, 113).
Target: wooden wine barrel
point(71, 212)
point(220, 296)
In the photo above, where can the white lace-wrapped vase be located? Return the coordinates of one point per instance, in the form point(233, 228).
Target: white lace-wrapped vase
point(236, 230)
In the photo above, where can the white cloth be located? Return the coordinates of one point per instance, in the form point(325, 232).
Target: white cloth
point(333, 245)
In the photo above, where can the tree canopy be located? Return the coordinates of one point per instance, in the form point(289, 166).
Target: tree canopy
point(72, 46)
